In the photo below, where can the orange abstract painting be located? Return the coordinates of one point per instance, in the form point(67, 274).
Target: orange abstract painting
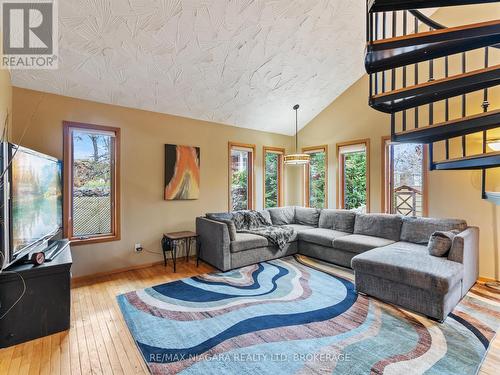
point(182, 172)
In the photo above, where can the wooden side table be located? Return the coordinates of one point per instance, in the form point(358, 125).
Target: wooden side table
point(171, 241)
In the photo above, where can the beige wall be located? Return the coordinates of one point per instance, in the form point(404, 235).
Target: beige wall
point(5, 96)
point(451, 193)
point(145, 215)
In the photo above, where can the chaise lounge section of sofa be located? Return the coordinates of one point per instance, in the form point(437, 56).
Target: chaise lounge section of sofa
point(388, 253)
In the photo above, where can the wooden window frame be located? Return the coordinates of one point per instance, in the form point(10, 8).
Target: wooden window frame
point(385, 169)
point(281, 172)
point(340, 169)
point(68, 185)
point(251, 177)
point(307, 168)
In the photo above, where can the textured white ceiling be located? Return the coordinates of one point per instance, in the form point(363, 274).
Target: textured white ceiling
point(238, 62)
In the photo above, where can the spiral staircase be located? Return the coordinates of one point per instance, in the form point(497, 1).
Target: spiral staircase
point(412, 65)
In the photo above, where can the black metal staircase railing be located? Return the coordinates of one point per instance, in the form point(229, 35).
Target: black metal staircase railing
point(400, 51)
point(435, 90)
point(390, 5)
point(400, 40)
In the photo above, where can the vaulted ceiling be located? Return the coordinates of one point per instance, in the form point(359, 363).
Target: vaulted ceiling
point(238, 62)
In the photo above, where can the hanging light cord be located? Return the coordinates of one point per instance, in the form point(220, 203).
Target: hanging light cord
point(296, 107)
point(296, 131)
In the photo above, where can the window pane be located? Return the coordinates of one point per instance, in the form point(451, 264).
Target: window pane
point(91, 183)
point(239, 179)
point(317, 183)
point(407, 179)
point(355, 181)
point(272, 179)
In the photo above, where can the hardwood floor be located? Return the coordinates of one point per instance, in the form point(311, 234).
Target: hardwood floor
point(99, 341)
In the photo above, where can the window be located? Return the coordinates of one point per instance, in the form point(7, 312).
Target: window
point(354, 175)
point(404, 177)
point(241, 160)
point(316, 177)
point(91, 183)
point(273, 177)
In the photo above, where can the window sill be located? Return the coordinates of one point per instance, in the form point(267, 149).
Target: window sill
point(76, 241)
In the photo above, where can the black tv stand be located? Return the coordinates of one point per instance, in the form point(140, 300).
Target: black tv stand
point(45, 306)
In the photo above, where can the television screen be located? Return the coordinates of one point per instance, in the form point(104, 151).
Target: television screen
point(36, 197)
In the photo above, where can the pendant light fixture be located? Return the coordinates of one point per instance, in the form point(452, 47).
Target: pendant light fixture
point(296, 158)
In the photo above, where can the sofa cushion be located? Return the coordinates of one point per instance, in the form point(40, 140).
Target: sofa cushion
point(307, 216)
point(282, 215)
point(378, 225)
point(419, 229)
point(410, 266)
point(298, 228)
point(359, 243)
point(409, 246)
point(321, 236)
point(341, 220)
point(247, 241)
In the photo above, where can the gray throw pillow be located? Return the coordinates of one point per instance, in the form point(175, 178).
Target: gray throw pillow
point(341, 220)
point(378, 225)
point(307, 216)
point(267, 216)
point(218, 216)
point(226, 218)
point(440, 243)
point(231, 228)
point(282, 215)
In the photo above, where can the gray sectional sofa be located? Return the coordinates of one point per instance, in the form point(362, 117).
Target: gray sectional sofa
point(388, 253)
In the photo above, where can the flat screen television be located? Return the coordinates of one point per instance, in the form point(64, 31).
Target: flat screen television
point(32, 195)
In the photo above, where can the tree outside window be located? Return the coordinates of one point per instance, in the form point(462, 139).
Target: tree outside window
point(91, 187)
point(316, 178)
point(355, 180)
point(241, 177)
point(91, 184)
point(353, 175)
point(273, 170)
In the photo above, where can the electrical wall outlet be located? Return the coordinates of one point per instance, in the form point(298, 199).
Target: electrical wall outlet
point(138, 248)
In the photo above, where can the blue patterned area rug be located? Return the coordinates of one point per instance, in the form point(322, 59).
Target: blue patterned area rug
point(298, 315)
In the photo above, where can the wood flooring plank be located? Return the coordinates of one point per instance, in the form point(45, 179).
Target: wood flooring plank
point(65, 361)
point(15, 362)
point(74, 356)
point(121, 340)
point(83, 353)
point(95, 363)
point(5, 358)
point(36, 357)
point(45, 363)
point(99, 309)
point(114, 333)
point(96, 333)
point(55, 354)
point(27, 353)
